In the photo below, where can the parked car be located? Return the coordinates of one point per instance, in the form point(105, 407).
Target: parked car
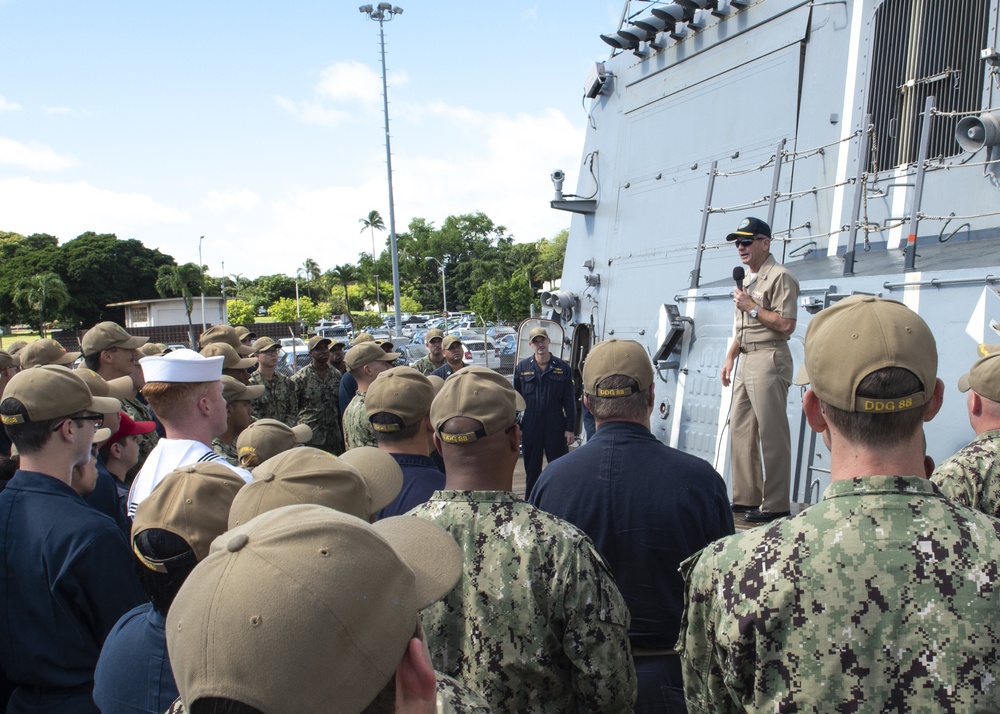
point(337, 333)
point(498, 331)
point(298, 342)
point(410, 354)
point(285, 365)
point(484, 354)
point(508, 352)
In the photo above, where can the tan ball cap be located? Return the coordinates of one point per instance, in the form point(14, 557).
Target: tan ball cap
point(862, 334)
point(434, 334)
point(119, 387)
point(263, 344)
point(49, 392)
point(402, 392)
point(983, 378)
point(225, 334)
point(308, 475)
point(366, 353)
point(476, 393)
point(449, 340)
point(231, 359)
point(46, 351)
point(537, 332)
point(616, 357)
point(307, 610)
point(106, 335)
point(191, 502)
point(233, 390)
point(266, 438)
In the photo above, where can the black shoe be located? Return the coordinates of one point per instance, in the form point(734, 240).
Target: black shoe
point(758, 516)
point(737, 508)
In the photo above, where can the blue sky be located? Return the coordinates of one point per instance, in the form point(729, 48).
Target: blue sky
point(259, 125)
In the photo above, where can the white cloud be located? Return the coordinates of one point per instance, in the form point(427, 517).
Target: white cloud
point(239, 199)
point(8, 106)
point(343, 89)
point(73, 208)
point(36, 157)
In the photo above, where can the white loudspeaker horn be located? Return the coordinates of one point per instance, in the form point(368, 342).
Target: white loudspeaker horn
point(973, 133)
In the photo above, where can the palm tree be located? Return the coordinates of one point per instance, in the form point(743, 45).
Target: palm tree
point(310, 269)
point(45, 293)
point(373, 223)
point(183, 280)
point(345, 274)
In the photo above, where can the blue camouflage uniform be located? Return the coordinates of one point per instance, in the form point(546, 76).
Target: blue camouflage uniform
point(550, 411)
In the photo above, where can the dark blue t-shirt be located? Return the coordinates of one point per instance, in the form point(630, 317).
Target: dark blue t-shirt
point(133, 674)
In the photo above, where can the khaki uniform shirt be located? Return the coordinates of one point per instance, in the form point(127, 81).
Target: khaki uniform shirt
point(279, 400)
point(358, 430)
point(775, 289)
point(882, 597)
point(972, 476)
point(535, 623)
point(317, 399)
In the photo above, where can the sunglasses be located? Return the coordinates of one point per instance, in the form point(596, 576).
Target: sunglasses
point(745, 242)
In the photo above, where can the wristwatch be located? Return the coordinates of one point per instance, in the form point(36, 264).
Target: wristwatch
point(753, 313)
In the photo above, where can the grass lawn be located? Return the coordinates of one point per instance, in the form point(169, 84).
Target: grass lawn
point(11, 339)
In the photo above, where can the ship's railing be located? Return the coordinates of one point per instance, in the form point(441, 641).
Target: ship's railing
point(865, 184)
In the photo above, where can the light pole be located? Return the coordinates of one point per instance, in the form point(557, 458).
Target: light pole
point(383, 13)
point(378, 298)
point(201, 268)
point(444, 293)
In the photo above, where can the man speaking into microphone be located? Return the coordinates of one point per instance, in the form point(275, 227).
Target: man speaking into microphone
point(766, 307)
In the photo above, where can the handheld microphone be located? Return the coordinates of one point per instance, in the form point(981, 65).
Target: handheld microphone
point(738, 275)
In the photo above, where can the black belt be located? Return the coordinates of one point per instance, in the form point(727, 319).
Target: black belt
point(762, 345)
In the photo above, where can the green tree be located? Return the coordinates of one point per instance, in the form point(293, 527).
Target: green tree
point(511, 298)
point(43, 296)
point(240, 312)
point(99, 269)
point(365, 321)
point(267, 289)
point(311, 272)
point(23, 260)
point(181, 281)
point(344, 275)
point(286, 310)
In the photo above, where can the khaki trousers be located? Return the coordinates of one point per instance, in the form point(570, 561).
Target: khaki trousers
point(758, 426)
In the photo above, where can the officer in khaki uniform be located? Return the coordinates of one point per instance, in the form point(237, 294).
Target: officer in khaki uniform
point(766, 311)
point(881, 597)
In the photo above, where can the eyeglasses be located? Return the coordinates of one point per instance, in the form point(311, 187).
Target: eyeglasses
point(745, 242)
point(98, 420)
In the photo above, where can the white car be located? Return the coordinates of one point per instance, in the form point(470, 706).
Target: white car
point(482, 354)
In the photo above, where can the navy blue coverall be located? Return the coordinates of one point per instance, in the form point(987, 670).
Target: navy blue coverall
point(550, 411)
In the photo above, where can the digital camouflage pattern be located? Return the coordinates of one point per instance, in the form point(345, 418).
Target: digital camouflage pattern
point(535, 623)
point(882, 597)
point(228, 451)
point(357, 429)
point(425, 366)
point(138, 411)
point(279, 400)
point(972, 476)
point(317, 399)
point(453, 697)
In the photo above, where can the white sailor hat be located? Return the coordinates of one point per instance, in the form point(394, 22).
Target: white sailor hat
point(182, 366)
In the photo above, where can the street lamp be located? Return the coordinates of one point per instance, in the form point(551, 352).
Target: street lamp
point(201, 269)
point(444, 293)
point(382, 13)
